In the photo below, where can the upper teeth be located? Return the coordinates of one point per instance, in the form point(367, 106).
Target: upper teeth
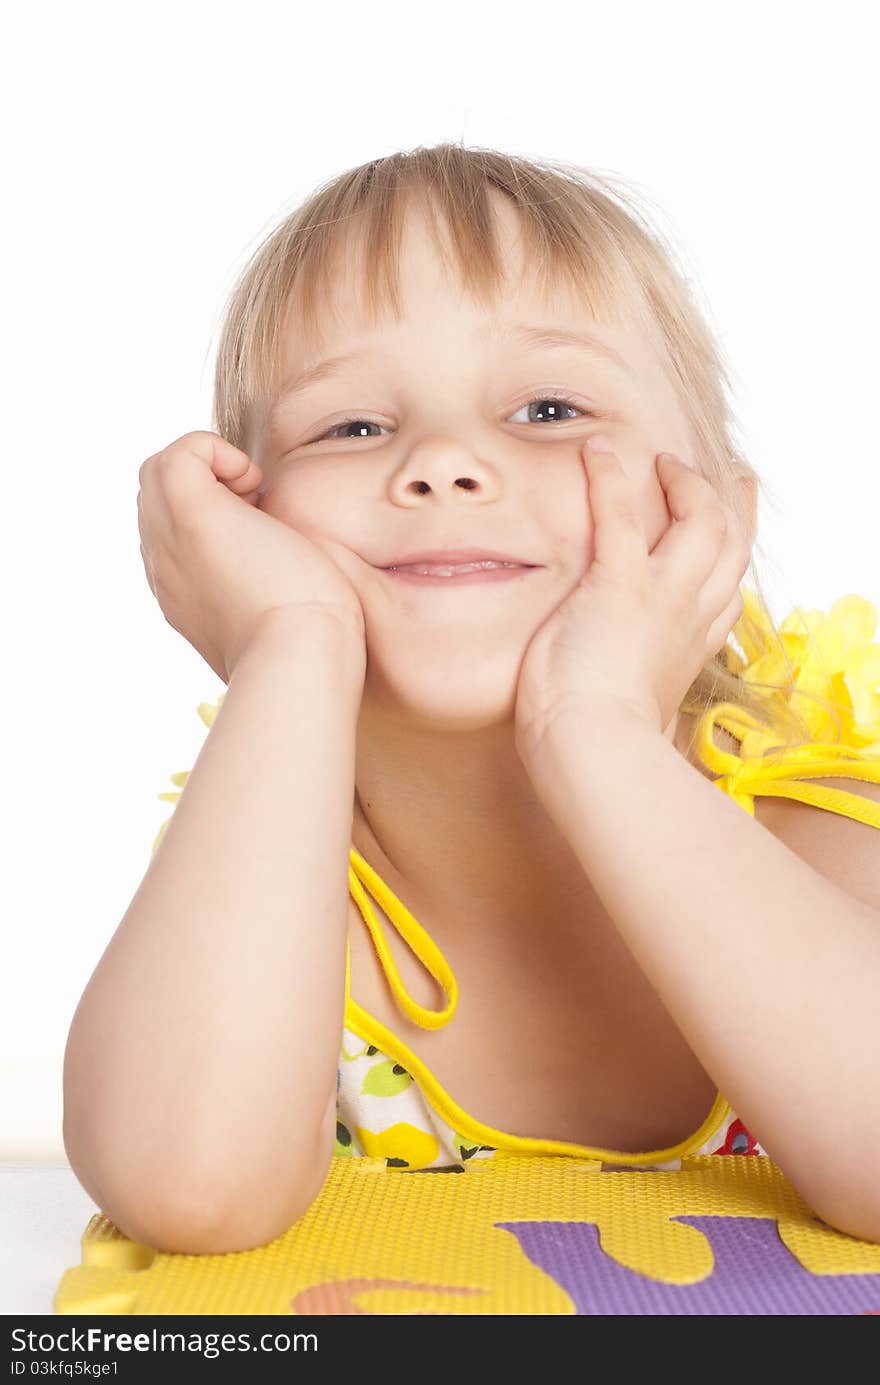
point(437, 570)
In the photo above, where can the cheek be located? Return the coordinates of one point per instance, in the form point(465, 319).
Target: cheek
point(569, 544)
point(570, 550)
point(302, 503)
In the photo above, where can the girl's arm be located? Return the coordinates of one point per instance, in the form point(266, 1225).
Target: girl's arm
point(770, 971)
point(200, 1068)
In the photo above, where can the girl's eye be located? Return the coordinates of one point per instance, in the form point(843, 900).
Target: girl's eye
point(557, 402)
point(359, 423)
point(556, 413)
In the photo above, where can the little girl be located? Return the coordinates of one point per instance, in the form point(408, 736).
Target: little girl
point(451, 878)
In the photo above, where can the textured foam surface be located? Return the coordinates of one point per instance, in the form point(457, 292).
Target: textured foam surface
point(725, 1234)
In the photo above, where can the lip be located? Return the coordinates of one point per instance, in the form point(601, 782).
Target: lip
point(451, 556)
point(495, 574)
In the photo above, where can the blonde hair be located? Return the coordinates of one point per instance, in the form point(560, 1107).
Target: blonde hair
point(578, 227)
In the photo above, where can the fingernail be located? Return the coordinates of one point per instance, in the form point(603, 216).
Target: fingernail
point(599, 443)
point(667, 457)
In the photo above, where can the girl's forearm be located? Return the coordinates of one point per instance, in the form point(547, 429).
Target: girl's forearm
point(770, 971)
point(201, 1060)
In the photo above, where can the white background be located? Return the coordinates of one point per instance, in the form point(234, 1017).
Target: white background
point(149, 150)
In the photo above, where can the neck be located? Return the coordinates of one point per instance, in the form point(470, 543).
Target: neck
point(452, 820)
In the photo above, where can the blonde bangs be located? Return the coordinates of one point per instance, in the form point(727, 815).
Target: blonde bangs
point(571, 239)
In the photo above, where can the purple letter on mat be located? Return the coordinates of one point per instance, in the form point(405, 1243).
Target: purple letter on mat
point(754, 1273)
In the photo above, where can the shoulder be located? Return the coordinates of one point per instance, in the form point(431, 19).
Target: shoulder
point(832, 656)
point(843, 849)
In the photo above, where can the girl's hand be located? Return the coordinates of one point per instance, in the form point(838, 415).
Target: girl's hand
point(634, 633)
point(217, 564)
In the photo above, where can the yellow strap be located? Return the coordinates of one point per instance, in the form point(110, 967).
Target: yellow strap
point(412, 933)
point(374, 1032)
point(777, 775)
point(774, 775)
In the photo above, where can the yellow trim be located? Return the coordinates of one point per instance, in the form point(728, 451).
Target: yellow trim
point(743, 778)
point(367, 1027)
point(848, 805)
point(374, 1032)
point(421, 943)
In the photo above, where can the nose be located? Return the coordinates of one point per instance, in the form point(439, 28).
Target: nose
point(441, 467)
point(467, 483)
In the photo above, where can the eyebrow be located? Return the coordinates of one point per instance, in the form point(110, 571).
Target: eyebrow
point(520, 333)
point(526, 334)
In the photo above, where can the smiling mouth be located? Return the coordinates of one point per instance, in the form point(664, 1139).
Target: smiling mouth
point(451, 569)
point(460, 574)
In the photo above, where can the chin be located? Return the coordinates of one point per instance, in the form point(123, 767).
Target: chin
point(458, 701)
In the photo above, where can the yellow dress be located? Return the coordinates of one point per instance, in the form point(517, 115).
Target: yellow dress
point(390, 1105)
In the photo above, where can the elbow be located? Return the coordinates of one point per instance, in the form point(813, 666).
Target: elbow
point(857, 1218)
point(848, 1201)
point(193, 1206)
point(223, 1228)
point(198, 1215)
point(247, 1216)
point(197, 1229)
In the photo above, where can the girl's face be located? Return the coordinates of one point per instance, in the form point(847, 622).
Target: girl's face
point(458, 428)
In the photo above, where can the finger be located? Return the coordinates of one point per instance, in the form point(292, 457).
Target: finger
point(252, 497)
point(247, 485)
point(228, 463)
point(232, 466)
point(719, 593)
point(688, 551)
point(721, 628)
point(147, 571)
point(722, 589)
point(619, 542)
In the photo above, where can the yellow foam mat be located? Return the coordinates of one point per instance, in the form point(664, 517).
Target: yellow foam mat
point(512, 1235)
